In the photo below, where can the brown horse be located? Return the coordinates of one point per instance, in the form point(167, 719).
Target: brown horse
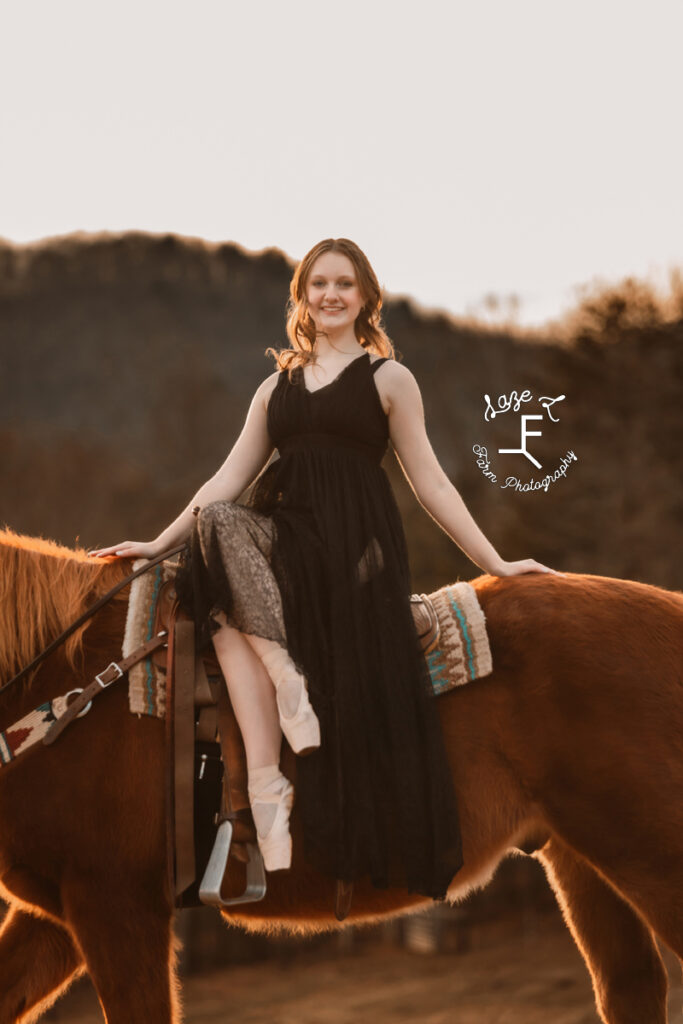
point(573, 746)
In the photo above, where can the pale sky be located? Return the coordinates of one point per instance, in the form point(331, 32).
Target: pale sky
point(494, 146)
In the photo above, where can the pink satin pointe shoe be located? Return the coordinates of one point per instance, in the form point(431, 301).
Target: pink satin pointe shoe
point(271, 796)
point(302, 729)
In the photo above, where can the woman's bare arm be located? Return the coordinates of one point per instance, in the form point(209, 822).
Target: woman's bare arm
point(424, 473)
point(246, 459)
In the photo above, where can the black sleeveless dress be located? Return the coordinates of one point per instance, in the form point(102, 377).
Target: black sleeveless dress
point(316, 559)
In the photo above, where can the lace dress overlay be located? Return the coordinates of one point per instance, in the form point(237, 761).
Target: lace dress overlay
point(316, 559)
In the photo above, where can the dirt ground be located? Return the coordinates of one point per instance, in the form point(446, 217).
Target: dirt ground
point(533, 976)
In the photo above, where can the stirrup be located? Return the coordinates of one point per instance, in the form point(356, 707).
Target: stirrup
point(276, 845)
point(302, 729)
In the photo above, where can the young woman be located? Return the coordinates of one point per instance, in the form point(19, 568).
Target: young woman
point(304, 591)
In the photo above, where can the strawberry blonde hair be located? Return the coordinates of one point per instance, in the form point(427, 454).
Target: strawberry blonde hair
point(301, 326)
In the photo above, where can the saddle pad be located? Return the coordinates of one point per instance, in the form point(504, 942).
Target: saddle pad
point(461, 654)
point(462, 651)
point(146, 683)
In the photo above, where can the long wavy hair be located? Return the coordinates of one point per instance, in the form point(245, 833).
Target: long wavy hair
point(301, 328)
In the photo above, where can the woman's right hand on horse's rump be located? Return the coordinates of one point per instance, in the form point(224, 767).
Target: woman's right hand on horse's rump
point(129, 549)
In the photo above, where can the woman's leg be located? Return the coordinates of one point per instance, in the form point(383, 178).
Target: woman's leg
point(290, 691)
point(298, 720)
point(252, 695)
point(253, 699)
point(236, 547)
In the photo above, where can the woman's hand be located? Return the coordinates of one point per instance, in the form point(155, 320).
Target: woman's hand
point(523, 565)
point(129, 549)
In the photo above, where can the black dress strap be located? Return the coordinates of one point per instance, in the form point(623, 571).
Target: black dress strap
point(378, 362)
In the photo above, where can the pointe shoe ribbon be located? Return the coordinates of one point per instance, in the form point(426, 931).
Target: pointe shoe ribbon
point(276, 843)
point(303, 728)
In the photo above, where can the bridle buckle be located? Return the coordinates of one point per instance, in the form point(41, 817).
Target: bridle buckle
point(119, 673)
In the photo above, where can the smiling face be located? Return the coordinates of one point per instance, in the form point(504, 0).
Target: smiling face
point(332, 292)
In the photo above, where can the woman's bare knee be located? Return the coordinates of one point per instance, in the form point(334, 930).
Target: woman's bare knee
point(227, 636)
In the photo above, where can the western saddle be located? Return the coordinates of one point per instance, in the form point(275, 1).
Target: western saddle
point(211, 831)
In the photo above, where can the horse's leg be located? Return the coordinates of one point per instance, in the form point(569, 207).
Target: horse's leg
point(38, 962)
point(642, 859)
point(125, 933)
point(629, 978)
point(656, 892)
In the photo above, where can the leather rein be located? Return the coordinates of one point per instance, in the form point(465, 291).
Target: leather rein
point(89, 612)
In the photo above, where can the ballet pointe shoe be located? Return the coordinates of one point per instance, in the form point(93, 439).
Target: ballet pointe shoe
point(271, 796)
point(302, 729)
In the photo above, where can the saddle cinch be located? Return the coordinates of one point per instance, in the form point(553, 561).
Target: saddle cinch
point(212, 851)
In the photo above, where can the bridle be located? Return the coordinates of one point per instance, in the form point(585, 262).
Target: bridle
point(89, 612)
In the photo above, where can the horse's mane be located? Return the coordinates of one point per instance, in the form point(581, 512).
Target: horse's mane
point(44, 586)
